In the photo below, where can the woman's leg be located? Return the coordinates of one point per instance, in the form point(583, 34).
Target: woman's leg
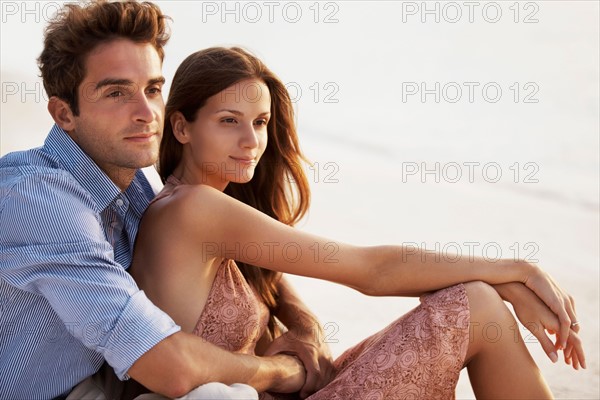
point(499, 364)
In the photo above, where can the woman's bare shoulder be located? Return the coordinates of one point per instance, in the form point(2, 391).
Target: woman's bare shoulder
point(181, 196)
point(184, 206)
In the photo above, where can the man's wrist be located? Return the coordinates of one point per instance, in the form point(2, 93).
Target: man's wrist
point(277, 370)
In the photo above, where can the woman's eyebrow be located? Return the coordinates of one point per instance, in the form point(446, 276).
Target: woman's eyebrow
point(241, 114)
point(236, 112)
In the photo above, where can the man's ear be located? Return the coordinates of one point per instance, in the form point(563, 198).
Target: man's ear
point(179, 123)
point(61, 113)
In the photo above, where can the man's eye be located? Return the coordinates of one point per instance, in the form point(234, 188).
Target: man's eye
point(154, 90)
point(116, 93)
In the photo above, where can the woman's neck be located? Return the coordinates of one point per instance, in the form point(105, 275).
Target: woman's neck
point(198, 176)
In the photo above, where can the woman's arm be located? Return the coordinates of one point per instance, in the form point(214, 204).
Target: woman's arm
point(305, 339)
point(541, 322)
point(225, 227)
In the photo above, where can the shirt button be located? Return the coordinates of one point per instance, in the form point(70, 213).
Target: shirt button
point(119, 203)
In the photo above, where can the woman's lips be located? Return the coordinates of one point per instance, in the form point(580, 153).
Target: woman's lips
point(244, 160)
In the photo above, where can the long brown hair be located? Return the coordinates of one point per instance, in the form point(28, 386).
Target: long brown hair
point(279, 187)
point(78, 29)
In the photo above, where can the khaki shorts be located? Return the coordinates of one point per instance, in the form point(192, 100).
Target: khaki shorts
point(104, 385)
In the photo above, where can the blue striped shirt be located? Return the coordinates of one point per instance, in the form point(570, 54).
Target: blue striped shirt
point(66, 301)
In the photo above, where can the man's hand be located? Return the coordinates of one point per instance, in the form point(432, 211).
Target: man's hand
point(304, 339)
point(309, 346)
point(183, 361)
point(291, 372)
point(537, 317)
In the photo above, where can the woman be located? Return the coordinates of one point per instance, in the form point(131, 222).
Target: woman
point(230, 139)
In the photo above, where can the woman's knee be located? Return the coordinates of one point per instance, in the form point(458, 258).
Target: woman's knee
point(490, 319)
point(479, 290)
point(485, 303)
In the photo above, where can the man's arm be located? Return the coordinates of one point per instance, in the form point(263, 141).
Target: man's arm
point(60, 253)
point(304, 338)
point(184, 361)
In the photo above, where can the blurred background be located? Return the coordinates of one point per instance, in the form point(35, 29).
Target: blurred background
point(461, 127)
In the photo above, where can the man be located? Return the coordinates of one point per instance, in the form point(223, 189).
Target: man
point(69, 213)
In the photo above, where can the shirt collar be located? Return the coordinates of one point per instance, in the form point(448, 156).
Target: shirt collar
point(85, 171)
point(140, 193)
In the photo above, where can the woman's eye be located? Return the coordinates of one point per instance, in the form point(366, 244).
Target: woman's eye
point(261, 122)
point(229, 120)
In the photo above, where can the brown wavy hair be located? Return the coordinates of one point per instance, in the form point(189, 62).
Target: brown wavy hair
point(279, 187)
point(78, 29)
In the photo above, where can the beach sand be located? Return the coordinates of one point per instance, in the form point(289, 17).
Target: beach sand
point(348, 78)
point(381, 210)
point(371, 206)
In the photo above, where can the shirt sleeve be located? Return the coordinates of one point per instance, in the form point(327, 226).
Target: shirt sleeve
point(53, 245)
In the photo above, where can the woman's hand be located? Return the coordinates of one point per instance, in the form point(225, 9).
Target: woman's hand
point(304, 338)
point(574, 351)
point(541, 322)
point(557, 300)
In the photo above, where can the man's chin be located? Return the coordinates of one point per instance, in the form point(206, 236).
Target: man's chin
point(138, 164)
point(146, 160)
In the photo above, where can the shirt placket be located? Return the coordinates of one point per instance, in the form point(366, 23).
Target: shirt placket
point(117, 234)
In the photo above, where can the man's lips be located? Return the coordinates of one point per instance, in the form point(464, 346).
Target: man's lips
point(141, 137)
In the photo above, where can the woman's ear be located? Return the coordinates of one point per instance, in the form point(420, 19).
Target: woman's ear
point(179, 124)
point(61, 113)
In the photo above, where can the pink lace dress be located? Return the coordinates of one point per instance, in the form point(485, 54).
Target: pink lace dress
point(418, 356)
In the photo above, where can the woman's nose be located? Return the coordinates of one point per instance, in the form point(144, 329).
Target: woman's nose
point(249, 138)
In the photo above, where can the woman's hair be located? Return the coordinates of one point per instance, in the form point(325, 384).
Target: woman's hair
point(279, 187)
point(78, 29)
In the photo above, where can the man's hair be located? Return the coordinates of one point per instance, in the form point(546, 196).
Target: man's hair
point(78, 29)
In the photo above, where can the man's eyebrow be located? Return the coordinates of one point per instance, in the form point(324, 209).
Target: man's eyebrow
point(154, 81)
point(113, 81)
point(127, 82)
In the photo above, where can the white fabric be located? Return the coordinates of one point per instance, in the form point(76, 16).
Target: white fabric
point(218, 391)
point(89, 389)
point(212, 391)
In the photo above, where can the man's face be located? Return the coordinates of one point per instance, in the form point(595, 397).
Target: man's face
point(121, 108)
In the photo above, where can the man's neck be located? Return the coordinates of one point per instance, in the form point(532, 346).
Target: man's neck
point(122, 177)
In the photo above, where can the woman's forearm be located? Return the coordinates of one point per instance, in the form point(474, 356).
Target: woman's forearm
point(292, 311)
point(406, 271)
point(510, 291)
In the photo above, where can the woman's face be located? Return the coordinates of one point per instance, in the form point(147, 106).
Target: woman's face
point(229, 135)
